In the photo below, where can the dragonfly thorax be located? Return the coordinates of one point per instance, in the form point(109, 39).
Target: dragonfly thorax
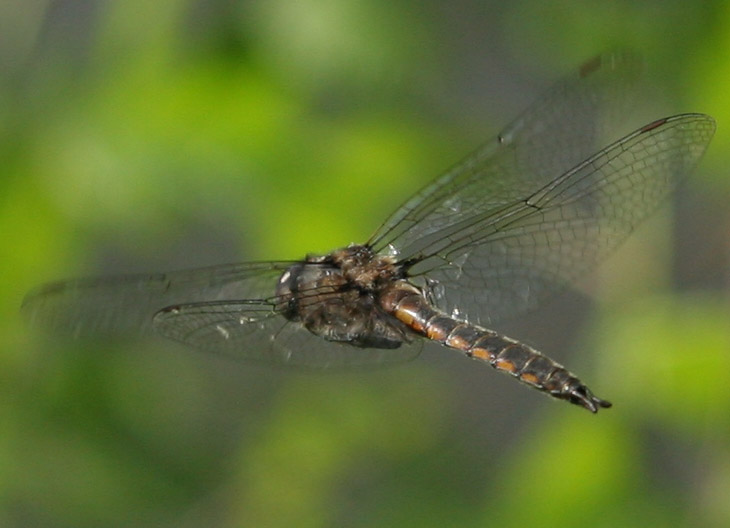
point(336, 297)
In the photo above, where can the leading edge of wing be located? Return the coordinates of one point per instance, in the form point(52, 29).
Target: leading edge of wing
point(123, 305)
point(561, 127)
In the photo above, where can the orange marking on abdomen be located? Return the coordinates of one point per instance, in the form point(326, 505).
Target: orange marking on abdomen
point(409, 318)
point(530, 378)
point(414, 311)
point(436, 333)
point(506, 365)
point(404, 316)
point(480, 353)
point(458, 342)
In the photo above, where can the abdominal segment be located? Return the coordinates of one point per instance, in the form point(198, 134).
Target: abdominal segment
point(406, 303)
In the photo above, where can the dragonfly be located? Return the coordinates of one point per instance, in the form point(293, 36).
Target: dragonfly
point(494, 237)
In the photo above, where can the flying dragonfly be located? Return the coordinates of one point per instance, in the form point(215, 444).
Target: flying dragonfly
point(493, 237)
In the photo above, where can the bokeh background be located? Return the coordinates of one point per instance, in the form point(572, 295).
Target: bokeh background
point(149, 136)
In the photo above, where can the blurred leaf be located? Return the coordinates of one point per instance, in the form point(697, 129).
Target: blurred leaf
point(666, 357)
point(126, 126)
point(321, 429)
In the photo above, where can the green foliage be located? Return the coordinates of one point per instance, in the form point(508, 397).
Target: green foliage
point(127, 129)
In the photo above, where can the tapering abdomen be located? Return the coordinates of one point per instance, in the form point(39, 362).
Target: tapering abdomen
point(405, 302)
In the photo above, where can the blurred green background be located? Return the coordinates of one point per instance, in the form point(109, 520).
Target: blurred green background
point(148, 136)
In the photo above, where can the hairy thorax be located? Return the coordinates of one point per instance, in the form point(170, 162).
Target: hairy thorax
point(337, 296)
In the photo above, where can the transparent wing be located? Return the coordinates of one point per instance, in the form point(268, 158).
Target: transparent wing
point(560, 130)
point(508, 258)
point(254, 331)
point(125, 305)
point(227, 310)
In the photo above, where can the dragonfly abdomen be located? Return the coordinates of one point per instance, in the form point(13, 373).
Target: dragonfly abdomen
point(407, 304)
